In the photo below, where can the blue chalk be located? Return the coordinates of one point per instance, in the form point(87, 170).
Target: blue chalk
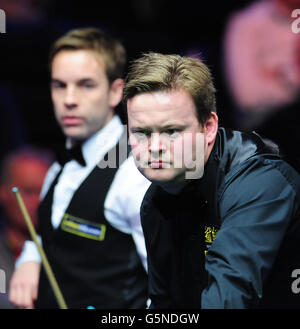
point(15, 189)
point(90, 308)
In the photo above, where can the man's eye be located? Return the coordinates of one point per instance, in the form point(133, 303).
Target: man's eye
point(57, 85)
point(88, 85)
point(172, 132)
point(140, 136)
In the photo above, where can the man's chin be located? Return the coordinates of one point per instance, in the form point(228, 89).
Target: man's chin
point(75, 134)
point(164, 176)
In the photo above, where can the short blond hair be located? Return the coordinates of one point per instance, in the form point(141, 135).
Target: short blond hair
point(157, 72)
point(94, 39)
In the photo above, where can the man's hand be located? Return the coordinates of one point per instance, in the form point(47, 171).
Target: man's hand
point(24, 284)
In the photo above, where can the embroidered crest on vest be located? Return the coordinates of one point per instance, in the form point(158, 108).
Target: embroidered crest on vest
point(210, 233)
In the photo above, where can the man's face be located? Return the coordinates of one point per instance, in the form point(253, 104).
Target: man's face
point(28, 175)
point(292, 4)
point(166, 137)
point(80, 92)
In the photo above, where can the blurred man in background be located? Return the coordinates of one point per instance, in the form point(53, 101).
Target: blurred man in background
point(261, 60)
point(25, 168)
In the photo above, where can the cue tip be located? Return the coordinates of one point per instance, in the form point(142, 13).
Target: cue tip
point(15, 189)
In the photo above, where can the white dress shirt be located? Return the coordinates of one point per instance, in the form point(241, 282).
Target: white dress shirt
point(123, 200)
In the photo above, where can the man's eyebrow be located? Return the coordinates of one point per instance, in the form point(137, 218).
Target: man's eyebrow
point(137, 129)
point(56, 80)
point(83, 80)
point(161, 128)
point(86, 80)
point(173, 125)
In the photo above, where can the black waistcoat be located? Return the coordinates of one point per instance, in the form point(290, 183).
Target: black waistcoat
point(94, 263)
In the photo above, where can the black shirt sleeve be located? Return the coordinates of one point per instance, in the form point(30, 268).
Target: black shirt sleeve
point(256, 209)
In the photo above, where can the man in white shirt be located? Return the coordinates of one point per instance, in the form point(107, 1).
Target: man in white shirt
point(89, 215)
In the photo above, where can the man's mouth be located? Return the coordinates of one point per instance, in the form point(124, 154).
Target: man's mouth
point(72, 121)
point(159, 164)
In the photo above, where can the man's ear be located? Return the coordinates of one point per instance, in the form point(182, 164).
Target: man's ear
point(116, 92)
point(211, 128)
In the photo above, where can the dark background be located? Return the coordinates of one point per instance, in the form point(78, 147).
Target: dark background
point(142, 25)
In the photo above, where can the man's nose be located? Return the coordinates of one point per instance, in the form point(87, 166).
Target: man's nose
point(70, 100)
point(156, 144)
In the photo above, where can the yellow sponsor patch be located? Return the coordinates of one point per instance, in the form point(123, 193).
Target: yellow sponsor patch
point(83, 228)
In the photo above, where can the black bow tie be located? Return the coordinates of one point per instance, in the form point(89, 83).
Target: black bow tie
point(75, 153)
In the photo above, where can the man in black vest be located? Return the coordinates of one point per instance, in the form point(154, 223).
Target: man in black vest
point(89, 215)
point(222, 217)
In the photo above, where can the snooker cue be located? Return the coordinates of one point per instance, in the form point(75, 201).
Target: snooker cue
point(57, 292)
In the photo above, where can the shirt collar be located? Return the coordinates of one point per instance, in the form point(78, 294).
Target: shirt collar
point(207, 186)
point(95, 147)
